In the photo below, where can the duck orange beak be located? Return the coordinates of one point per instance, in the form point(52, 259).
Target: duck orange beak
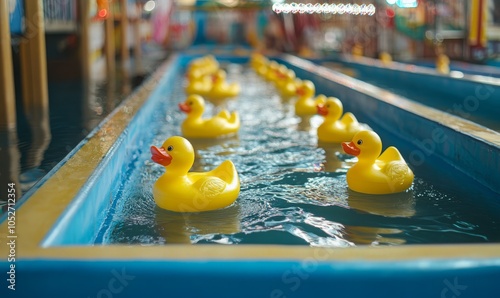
point(322, 110)
point(350, 148)
point(185, 107)
point(160, 156)
point(299, 91)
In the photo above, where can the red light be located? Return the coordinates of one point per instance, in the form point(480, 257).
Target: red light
point(390, 12)
point(102, 13)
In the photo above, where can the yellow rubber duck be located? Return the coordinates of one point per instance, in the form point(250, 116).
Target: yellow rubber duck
point(257, 60)
point(386, 58)
point(443, 64)
point(202, 66)
point(209, 62)
point(287, 84)
point(182, 191)
point(279, 74)
point(263, 68)
point(336, 128)
point(221, 89)
point(305, 104)
point(271, 71)
point(194, 126)
point(376, 173)
point(201, 85)
point(357, 50)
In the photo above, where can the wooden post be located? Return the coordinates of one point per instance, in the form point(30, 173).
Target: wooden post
point(7, 95)
point(109, 44)
point(34, 59)
point(109, 51)
point(34, 81)
point(137, 40)
point(9, 155)
point(84, 40)
point(124, 30)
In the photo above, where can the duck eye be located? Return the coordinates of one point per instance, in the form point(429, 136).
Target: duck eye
point(327, 105)
point(359, 142)
point(170, 148)
point(190, 103)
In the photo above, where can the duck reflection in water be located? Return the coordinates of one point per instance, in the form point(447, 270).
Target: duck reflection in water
point(392, 205)
point(9, 158)
point(187, 228)
point(400, 205)
point(38, 120)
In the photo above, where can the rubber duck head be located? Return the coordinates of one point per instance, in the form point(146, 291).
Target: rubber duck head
point(331, 107)
point(194, 73)
point(306, 89)
point(219, 76)
point(273, 65)
point(281, 71)
point(385, 57)
point(193, 106)
point(366, 145)
point(290, 75)
point(176, 153)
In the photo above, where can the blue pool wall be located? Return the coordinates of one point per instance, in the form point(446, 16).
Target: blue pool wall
point(256, 278)
point(462, 96)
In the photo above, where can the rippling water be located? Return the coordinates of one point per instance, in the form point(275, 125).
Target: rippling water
point(293, 191)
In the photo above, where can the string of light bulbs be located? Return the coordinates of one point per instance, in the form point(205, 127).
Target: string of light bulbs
point(328, 8)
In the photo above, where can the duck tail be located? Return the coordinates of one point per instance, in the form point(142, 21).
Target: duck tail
point(235, 119)
point(227, 171)
point(224, 114)
point(349, 118)
point(391, 153)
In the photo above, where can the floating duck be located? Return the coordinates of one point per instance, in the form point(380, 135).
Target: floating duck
point(180, 191)
point(221, 89)
point(306, 52)
point(376, 173)
point(443, 64)
point(263, 68)
point(200, 85)
point(272, 69)
point(257, 60)
point(279, 74)
point(202, 66)
point(357, 50)
point(386, 58)
point(202, 61)
point(207, 61)
point(287, 84)
point(194, 126)
point(305, 104)
point(335, 129)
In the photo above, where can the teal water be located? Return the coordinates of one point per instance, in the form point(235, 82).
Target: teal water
point(293, 191)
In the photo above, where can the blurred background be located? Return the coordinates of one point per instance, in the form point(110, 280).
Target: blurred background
point(66, 64)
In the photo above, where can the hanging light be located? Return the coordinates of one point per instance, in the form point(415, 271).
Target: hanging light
point(149, 6)
point(332, 8)
point(102, 9)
